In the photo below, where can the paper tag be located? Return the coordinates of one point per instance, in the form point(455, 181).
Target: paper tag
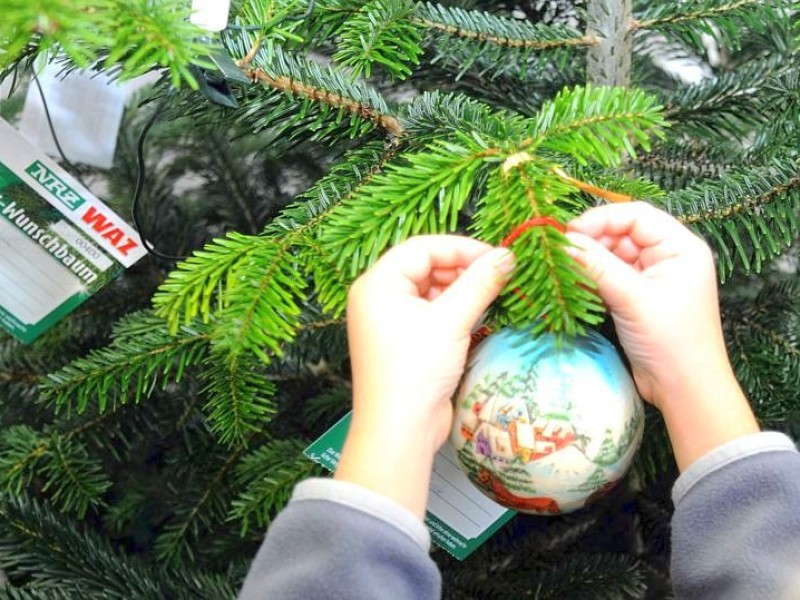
point(459, 517)
point(86, 109)
point(58, 243)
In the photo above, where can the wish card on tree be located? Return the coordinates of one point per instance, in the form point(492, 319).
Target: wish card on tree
point(458, 516)
point(58, 243)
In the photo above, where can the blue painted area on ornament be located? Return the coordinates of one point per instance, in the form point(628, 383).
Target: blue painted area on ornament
point(546, 427)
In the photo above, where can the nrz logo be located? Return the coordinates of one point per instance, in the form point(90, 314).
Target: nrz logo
point(53, 184)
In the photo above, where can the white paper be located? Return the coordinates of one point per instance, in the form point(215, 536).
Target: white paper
point(455, 500)
point(86, 109)
point(32, 283)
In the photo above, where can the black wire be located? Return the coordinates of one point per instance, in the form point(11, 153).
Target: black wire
point(140, 183)
point(140, 168)
point(64, 158)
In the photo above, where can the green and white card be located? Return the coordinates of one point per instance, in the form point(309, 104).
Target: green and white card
point(459, 517)
point(58, 243)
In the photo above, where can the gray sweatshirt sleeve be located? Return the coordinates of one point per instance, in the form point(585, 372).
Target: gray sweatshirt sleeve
point(336, 540)
point(736, 527)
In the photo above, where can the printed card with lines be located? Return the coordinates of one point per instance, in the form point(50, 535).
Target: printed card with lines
point(58, 243)
point(459, 517)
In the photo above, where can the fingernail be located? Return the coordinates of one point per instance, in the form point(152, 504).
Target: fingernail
point(503, 260)
point(574, 248)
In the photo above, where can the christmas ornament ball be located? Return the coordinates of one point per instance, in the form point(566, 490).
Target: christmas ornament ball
point(546, 426)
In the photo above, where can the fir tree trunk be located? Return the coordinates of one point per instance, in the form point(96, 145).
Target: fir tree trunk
point(609, 61)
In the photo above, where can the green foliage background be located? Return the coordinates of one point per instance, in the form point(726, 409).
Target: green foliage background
point(147, 441)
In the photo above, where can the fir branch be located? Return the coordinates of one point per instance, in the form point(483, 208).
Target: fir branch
point(589, 576)
point(131, 37)
point(611, 179)
point(13, 593)
point(21, 450)
point(748, 216)
point(328, 407)
point(315, 206)
point(330, 281)
point(37, 542)
point(323, 92)
point(693, 10)
point(763, 336)
point(143, 354)
point(726, 22)
point(218, 279)
point(260, 303)
point(422, 194)
point(731, 106)
point(267, 477)
point(547, 291)
point(174, 542)
point(436, 115)
point(189, 289)
point(481, 26)
point(596, 124)
point(463, 38)
point(680, 162)
point(380, 33)
point(301, 219)
point(239, 397)
point(74, 481)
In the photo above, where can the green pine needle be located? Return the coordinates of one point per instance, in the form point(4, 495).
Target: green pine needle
point(725, 210)
point(143, 355)
point(597, 124)
point(422, 194)
point(380, 33)
point(239, 397)
point(267, 477)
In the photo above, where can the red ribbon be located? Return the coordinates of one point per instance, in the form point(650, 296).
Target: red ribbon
point(535, 222)
point(483, 331)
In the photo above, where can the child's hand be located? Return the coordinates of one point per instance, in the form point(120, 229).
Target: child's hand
point(409, 322)
point(658, 280)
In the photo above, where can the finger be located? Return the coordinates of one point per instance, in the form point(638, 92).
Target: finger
point(617, 281)
point(445, 277)
point(626, 249)
point(644, 224)
point(463, 302)
point(412, 262)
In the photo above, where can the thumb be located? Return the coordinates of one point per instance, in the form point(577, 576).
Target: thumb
point(616, 280)
point(468, 297)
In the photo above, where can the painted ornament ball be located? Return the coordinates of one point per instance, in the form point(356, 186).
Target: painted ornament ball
point(546, 428)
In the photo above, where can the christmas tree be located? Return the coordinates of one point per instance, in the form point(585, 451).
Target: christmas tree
point(149, 438)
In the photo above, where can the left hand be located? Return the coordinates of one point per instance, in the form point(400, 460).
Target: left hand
point(409, 323)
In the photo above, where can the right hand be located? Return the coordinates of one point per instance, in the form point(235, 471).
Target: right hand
point(658, 280)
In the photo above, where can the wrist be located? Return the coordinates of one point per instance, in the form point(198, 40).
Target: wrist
point(691, 378)
point(401, 416)
point(704, 415)
point(393, 462)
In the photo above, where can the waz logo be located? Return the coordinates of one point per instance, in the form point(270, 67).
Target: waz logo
point(53, 184)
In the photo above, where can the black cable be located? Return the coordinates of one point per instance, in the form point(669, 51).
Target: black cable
point(140, 168)
point(73, 169)
point(140, 183)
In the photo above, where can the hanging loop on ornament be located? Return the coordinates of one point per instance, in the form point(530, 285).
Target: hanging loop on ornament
point(477, 336)
point(529, 224)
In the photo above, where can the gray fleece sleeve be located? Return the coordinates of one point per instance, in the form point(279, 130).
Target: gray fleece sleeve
point(336, 540)
point(736, 527)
